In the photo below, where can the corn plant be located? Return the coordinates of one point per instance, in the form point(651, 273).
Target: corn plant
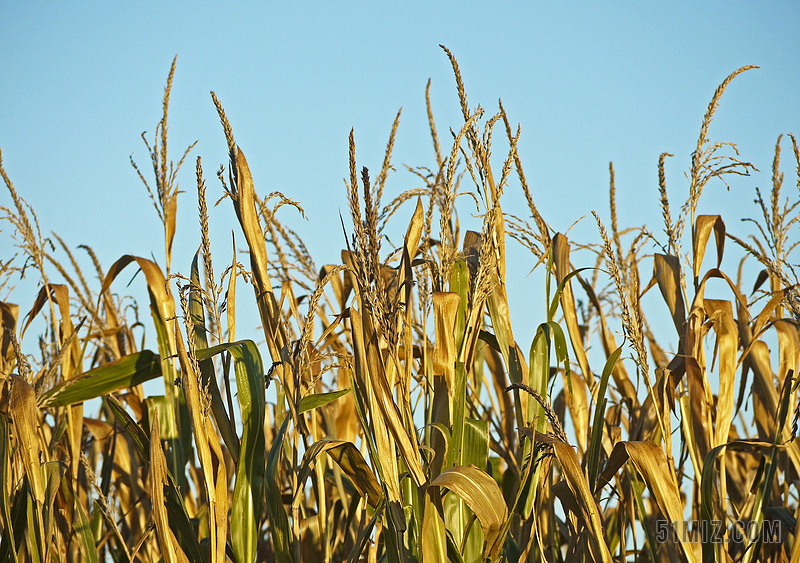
point(388, 412)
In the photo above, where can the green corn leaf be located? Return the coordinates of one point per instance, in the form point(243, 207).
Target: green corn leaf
point(124, 373)
point(551, 310)
point(281, 536)
point(197, 312)
point(7, 551)
point(459, 283)
point(251, 466)
point(86, 540)
point(475, 452)
point(140, 438)
point(316, 400)
point(596, 440)
point(459, 408)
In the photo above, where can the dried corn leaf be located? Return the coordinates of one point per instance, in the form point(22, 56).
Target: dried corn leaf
point(25, 415)
point(160, 299)
point(571, 468)
point(652, 464)
point(350, 461)
point(721, 314)
point(9, 314)
point(157, 481)
point(245, 206)
point(563, 269)
point(704, 224)
point(667, 272)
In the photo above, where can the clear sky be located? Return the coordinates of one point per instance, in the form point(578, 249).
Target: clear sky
point(590, 84)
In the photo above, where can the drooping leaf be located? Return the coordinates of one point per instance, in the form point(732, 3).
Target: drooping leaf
point(702, 230)
point(576, 480)
point(652, 464)
point(350, 461)
point(483, 496)
point(128, 371)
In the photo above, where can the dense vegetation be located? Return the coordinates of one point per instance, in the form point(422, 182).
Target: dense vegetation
point(408, 423)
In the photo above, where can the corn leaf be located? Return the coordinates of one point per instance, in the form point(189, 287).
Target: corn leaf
point(317, 400)
point(580, 488)
point(350, 461)
point(24, 413)
point(483, 496)
point(128, 371)
point(251, 464)
point(7, 549)
point(279, 521)
point(197, 311)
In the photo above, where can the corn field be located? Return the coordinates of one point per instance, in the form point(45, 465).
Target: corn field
point(387, 412)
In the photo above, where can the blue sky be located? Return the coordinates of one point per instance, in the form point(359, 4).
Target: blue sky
point(614, 81)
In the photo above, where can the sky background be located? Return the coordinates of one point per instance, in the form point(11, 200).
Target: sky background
point(615, 81)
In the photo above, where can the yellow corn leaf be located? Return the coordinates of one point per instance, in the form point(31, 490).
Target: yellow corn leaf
point(230, 299)
point(445, 308)
point(170, 222)
point(721, 314)
point(788, 347)
point(384, 439)
point(563, 269)
point(766, 313)
point(651, 463)
point(414, 231)
point(157, 481)
point(385, 402)
point(245, 208)
point(70, 362)
point(434, 534)
point(221, 488)
point(207, 442)
point(485, 499)
point(700, 399)
point(571, 467)
point(25, 415)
